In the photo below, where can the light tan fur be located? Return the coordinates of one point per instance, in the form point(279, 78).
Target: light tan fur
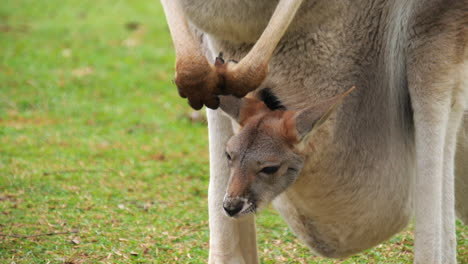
point(386, 153)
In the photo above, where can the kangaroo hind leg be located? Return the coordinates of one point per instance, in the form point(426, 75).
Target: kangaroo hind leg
point(461, 171)
point(438, 100)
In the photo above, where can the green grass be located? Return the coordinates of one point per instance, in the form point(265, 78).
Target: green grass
point(96, 144)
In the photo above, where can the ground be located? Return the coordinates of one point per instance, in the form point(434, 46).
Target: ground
point(100, 161)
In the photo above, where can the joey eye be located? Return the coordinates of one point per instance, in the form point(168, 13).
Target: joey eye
point(228, 156)
point(270, 170)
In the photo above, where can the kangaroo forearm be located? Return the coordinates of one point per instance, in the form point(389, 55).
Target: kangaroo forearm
point(281, 19)
point(184, 42)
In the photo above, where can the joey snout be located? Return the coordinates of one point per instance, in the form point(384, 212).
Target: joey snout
point(237, 206)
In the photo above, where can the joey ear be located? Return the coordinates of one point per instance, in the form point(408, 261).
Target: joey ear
point(310, 119)
point(230, 105)
point(241, 109)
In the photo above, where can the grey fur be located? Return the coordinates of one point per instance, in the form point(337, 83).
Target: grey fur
point(363, 180)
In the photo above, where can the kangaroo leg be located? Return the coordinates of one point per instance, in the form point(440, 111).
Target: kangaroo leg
point(436, 98)
point(449, 241)
point(430, 127)
point(200, 81)
point(461, 172)
point(231, 240)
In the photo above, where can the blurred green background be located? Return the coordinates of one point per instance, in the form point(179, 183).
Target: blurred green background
point(100, 161)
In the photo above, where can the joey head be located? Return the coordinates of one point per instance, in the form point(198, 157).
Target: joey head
point(268, 152)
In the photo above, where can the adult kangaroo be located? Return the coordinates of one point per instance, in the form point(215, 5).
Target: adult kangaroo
point(385, 154)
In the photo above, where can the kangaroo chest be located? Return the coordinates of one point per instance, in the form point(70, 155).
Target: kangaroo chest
point(243, 21)
point(233, 20)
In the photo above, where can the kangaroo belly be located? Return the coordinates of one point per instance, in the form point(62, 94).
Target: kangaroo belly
point(339, 215)
point(343, 238)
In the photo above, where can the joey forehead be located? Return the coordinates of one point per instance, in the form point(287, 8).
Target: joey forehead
point(259, 141)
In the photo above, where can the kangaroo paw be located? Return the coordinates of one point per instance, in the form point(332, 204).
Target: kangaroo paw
point(238, 79)
point(201, 83)
point(198, 81)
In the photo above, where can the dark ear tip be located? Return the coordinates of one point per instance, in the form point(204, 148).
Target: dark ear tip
point(219, 61)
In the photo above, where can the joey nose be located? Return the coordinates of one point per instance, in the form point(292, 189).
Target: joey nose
point(233, 206)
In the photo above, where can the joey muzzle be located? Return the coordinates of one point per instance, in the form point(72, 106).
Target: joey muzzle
point(235, 206)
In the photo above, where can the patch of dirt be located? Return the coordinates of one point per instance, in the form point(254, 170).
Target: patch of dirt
point(21, 122)
point(137, 35)
point(82, 72)
point(22, 28)
point(156, 157)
